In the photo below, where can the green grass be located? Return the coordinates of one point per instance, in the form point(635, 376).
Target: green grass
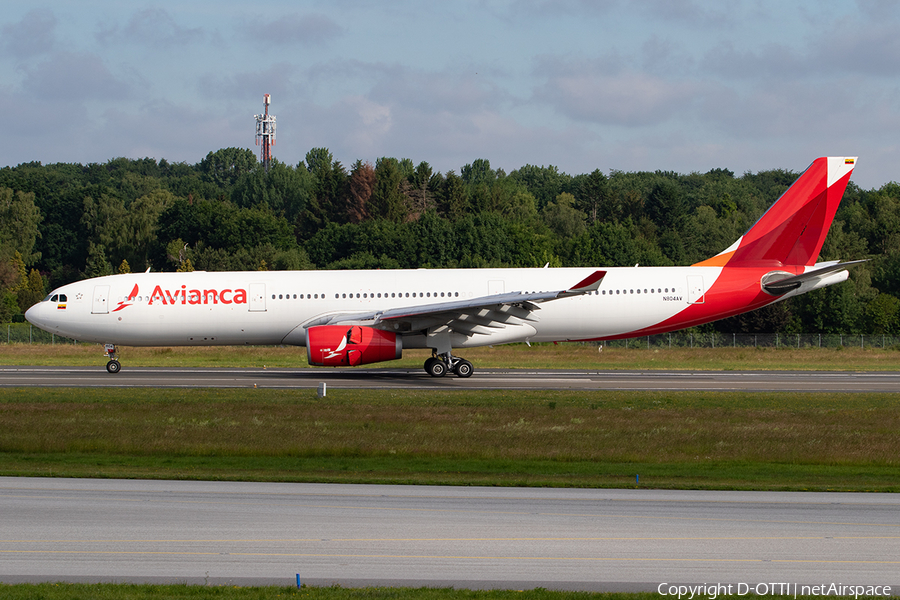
point(712, 440)
point(513, 356)
point(65, 591)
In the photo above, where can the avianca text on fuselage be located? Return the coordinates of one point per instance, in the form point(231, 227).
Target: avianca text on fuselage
point(186, 296)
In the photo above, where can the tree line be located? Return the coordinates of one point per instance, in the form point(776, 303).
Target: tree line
point(64, 222)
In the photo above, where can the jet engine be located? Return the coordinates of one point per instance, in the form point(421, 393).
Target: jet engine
point(350, 345)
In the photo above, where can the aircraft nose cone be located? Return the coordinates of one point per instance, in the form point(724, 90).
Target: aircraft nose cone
point(34, 315)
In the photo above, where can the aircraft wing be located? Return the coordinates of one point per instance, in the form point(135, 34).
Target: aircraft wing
point(469, 316)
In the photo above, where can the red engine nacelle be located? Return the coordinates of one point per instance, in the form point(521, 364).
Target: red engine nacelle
point(350, 345)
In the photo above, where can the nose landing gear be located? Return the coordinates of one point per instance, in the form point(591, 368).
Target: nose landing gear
point(112, 352)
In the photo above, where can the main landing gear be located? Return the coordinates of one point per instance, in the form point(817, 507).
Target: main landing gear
point(440, 365)
point(112, 352)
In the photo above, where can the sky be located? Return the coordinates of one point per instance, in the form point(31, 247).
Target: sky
point(629, 85)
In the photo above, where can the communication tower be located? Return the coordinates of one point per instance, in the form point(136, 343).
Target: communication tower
point(265, 133)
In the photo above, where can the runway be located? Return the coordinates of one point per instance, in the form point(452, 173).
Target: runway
point(467, 537)
point(416, 379)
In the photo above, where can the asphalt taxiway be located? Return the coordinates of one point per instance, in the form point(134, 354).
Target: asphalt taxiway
point(505, 379)
point(468, 537)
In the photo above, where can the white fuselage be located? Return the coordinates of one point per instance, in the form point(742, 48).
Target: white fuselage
point(236, 308)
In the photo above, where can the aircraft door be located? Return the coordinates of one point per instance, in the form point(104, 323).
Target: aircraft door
point(496, 286)
point(257, 297)
point(100, 304)
point(695, 289)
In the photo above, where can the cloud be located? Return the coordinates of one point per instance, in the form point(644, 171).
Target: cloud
point(600, 92)
point(73, 77)
point(455, 91)
point(763, 62)
point(700, 14)
point(176, 132)
point(152, 27)
point(33, 35)
point(276, 79)
point(308, 29)
point(879, 10)
point(26, 118)
point(847, 45)
point(859, 47)
point(556, 8)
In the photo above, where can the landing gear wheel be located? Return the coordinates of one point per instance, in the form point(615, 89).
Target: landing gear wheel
point(435, 367)
point(428, 364)
point(464, 369)
point(113, 366)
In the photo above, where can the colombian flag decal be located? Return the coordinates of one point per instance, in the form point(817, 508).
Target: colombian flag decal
point(848, 161)
point(60, 307)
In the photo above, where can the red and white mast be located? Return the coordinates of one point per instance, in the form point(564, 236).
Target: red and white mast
point(265, 133)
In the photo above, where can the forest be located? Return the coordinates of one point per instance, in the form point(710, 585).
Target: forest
point(64, 222)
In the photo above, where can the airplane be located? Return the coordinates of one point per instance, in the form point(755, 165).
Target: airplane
point(349, 318)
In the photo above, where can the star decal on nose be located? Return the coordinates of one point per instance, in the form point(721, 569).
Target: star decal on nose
point(79, 296)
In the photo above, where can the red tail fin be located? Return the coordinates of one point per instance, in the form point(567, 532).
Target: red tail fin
point(793, 230)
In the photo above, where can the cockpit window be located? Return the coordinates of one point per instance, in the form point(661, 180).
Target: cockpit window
point(54, 298)
point(62, 298)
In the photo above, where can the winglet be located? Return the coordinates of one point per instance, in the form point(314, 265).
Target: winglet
point(586, 285)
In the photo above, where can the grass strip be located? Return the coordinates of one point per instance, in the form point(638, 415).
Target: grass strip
point(66, 591)
point(512, 356)
point(711, 440)
point(115, 591)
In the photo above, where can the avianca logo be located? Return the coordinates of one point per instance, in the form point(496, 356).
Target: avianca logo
point(186, 296)
point(340, 348)
point(129, 300)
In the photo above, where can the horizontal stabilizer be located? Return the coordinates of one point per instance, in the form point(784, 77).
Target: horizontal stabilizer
point(781, 285)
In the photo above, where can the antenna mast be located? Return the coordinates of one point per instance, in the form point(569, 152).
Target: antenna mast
point(265, 133)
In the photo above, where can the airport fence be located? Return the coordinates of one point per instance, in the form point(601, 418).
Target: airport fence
point(688, 339)
point(25, 333)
